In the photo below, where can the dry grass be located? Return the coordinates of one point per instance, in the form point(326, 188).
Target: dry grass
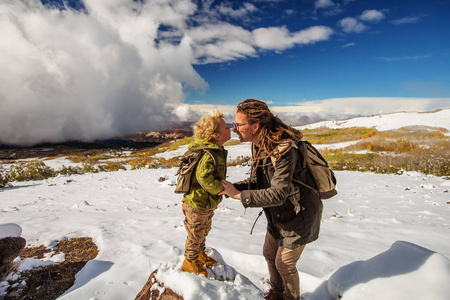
point(416, 148)
point(409, 149)
point(52, 281)
point(324, 135)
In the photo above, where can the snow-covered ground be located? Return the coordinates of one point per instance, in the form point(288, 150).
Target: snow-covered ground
point(392, 121)
point(382, 236)
point(371, 240)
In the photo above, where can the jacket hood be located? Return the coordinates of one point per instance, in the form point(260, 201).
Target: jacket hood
point(198, 144)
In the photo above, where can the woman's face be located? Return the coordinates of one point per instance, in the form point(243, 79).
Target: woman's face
point(247, 132)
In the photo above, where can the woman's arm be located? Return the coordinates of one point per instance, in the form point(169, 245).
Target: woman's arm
point(280, 184)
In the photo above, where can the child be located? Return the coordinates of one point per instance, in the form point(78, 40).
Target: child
point(211, 132)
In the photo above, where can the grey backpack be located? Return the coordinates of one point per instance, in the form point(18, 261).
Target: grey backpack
point(189, 162)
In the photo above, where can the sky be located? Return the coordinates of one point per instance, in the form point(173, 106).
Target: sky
point(93, 69)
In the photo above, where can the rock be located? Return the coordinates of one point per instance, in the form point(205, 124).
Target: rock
point(148, 293)
point(10, 248)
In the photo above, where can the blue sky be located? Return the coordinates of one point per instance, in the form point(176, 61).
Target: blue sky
point(94, 69)
point(389, 49)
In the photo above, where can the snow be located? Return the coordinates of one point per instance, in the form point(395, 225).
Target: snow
point(382, 236)
point(137, 223)
point(392, 121)
point(10, 230)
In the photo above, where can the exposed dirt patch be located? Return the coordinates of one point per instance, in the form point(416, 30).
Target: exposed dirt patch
point(52, 281)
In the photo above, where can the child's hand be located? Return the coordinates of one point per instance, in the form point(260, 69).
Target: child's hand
point(230, 190)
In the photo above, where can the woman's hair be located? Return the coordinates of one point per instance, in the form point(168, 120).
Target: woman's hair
point(208, 126)
point(272, 131)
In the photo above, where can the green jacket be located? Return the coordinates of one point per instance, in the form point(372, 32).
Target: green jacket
point(204, 194)
point(293, 211)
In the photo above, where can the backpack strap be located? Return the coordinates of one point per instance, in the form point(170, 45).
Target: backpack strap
point(213, 154)
point(303, 150)
point(281, 148)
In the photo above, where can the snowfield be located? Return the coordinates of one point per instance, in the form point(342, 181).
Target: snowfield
point(382, 236)
point(440, 118)
point(385, 234)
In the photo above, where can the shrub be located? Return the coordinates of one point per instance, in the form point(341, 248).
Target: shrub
point(68, 171)
point(33, 170)
point(240, 161)
point(5, 177)
point(89, 168)
point(111, 167)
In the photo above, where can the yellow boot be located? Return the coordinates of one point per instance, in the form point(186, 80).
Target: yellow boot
point(206, 260)
point(194, 266)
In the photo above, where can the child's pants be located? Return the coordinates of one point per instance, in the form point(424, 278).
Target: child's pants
point(198, 224)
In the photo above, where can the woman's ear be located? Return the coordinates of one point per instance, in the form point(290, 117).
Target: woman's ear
point(256, 127)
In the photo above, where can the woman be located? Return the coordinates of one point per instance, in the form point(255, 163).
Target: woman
point(293, 212)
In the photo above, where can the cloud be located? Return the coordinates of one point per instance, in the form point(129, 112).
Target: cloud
point(400, 58)
point(406, 20)
point(184, 113)
point(279, 38)
point(307, 112)
point(365, 106)
point(348, 45)
point(351, 25)
point(116, 66)
point(247, 8)
point(327, 7)
point(357, 25)
point(372, 15)
point(323, 4)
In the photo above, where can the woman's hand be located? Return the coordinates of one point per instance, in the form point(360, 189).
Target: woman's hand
point(230, 190)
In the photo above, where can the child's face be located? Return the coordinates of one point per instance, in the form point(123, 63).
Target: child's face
point(224, 133)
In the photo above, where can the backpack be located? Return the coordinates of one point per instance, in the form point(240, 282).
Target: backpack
point(188, 164)
point(318, 170)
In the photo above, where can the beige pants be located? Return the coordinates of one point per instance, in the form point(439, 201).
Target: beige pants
point(198, 224)
point(282, 264)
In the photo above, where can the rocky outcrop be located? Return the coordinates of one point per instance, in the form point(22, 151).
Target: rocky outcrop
point(154, 290)
point(10, 248)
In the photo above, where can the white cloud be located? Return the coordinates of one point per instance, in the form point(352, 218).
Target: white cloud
point(406, 20)
point(328, 7)
point(372, 15)
point(247, 8)
point(71, 75)
point(400, 58)
point(279, 38)
point(185, 114)
point(113, 68)
point(348, 45)
point(351, 25)
point(338, 108)
point(324, 4)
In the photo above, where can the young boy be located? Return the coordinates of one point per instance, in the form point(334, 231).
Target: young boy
point(211, 132)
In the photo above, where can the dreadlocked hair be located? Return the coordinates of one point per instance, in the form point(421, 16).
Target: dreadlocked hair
point(272, 131)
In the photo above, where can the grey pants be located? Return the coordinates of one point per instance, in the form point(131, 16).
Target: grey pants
point(282, 264)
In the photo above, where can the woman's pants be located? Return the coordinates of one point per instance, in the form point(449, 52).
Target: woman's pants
point(282, 264)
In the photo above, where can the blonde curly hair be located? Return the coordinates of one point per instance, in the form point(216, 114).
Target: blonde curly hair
point(208, 126)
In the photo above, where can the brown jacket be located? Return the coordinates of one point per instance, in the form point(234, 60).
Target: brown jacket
point(293, 212)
